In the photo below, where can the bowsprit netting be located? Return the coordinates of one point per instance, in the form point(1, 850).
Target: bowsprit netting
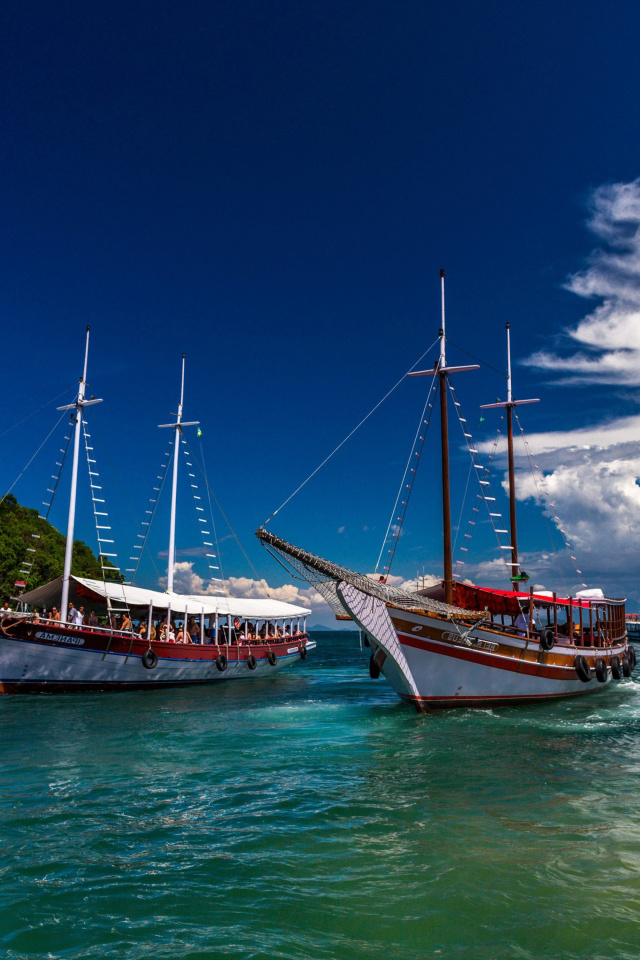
point(324, 576)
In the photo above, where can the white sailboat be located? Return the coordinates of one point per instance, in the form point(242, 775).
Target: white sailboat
point(245, 638)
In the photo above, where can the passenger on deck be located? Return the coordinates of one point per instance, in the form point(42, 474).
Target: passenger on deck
point(183, 635)
point(55, 614)
point(6, 610)
point(93, 619)
point(126, 622)
point(194, 629)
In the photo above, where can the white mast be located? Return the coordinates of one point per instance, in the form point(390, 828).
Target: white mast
point(177, 426)
point(78, 405)
point(443, 339)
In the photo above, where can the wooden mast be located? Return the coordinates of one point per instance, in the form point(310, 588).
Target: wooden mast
point(512, 472)
point(509, 404)
point(441, 370)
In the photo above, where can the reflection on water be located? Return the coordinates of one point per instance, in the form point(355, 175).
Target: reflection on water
point(314, 816)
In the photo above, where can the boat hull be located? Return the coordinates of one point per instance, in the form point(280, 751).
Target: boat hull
point(435, 664)
point(61, 659)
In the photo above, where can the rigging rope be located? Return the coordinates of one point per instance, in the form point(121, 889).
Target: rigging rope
point(204, 533)
point(349, 435)
point(28, 464)
point(27, 565)
point(213, 522)
point(411, 473)
point(150, 512)
point(226, 519)
point(43, 407)
point(482, 474)
point(540, 484)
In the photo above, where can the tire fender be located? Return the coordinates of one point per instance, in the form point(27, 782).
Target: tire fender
point(582, 668)
point(150, 659)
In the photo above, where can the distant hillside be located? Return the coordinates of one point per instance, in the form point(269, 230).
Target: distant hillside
point(17, 525)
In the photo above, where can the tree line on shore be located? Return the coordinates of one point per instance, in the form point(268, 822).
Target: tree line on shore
point(17, 528)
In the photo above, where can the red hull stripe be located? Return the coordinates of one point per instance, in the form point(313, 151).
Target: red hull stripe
point(498, 701)
point(496, 661)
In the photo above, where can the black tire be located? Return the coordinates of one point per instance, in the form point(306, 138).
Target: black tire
point(251, 662)
point(601, 670)
point(150, 659)
point(582, 668)
point(271, 657)
point(547, 639)
point(221, 662)
point(616, 668)
point(631, 655)
point(303, 652)
point(626, 666)
point(374, 668)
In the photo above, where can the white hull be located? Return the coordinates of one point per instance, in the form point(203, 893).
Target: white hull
point(433, 663)
point(28, 666)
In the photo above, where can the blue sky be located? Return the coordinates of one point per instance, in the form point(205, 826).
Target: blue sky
point(272, 188)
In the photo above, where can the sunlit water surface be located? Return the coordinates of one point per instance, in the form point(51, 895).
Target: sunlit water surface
point(315, 816)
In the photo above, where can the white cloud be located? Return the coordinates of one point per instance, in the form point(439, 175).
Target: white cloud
point(608, 339)
point(186, 580)
point(590, 484)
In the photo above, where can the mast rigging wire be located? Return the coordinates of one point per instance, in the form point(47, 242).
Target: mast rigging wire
point(43, 407)
point(28, 464)
point(349, 435)
point(422, 423)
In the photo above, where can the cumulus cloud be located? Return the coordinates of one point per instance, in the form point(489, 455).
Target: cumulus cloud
point(608, 338)
point(187, 580)
point(591, 478)
point(409, 585)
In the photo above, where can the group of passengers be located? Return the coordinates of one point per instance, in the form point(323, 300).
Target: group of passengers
point(241, 632)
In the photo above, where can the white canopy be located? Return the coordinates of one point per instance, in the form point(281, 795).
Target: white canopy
point(84, 592)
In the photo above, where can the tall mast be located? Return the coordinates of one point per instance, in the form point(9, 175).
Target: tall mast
point(509, 405)
point(447, 552)
point(442, 371)
point(78, 406)
point(177, 427)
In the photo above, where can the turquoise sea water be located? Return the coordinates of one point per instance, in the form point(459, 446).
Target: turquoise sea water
point(315, 816)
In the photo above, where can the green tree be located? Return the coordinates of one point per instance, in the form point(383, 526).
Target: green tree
point(23, 531)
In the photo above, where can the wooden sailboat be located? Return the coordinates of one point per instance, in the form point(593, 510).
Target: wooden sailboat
point(239, 637)
point(462, 645)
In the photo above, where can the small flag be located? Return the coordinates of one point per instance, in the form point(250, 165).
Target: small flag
point(199, 432)
point(20, 583)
